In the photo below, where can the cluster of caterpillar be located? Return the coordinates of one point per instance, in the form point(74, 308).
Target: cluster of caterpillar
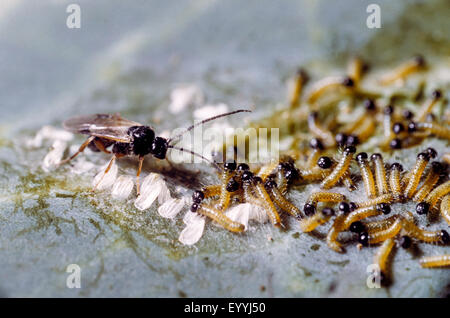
point(426, 183)
point(265, 189)
point(384, 188)
point(369, 112)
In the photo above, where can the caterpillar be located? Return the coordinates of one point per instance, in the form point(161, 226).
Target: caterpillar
point(416, 173)
point(366, 174)
point(323, 196)
point(360, 214)
point(384, 198)
point(229, 168)
point(445, 208)
point(334, 231)
point(394, 181)
point(430, 181)
point(264, 196)
point(308, 224)
point(435, 261)
point(325, 135)
point(300, 79)
point(380, 173)
point(382, 255)
point(325, 84)
point(218, 217)
point(428, 106)
point(391, 231)
point(340, 169)
point(407, 68)
point(281, 201)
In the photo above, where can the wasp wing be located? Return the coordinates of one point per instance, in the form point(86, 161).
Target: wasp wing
point(108, 126)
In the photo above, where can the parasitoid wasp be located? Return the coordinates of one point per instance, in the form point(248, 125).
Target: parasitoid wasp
point(127, 138)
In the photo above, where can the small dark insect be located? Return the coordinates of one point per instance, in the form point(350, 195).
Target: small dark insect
point(127, 138)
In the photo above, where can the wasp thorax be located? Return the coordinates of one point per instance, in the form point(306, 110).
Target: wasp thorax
point(143, 137)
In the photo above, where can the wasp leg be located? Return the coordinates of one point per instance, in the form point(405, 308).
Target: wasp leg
point(80, 150)
point(141, 160)
point(104, 173)
point(100, 145)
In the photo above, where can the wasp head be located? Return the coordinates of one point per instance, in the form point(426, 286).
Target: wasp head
point(159, 148)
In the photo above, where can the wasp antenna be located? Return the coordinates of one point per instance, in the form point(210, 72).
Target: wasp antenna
point(194, 154)
point(207, 120)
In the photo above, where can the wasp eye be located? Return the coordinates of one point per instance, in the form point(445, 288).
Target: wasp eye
point(291, 174)
point(423, 156)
